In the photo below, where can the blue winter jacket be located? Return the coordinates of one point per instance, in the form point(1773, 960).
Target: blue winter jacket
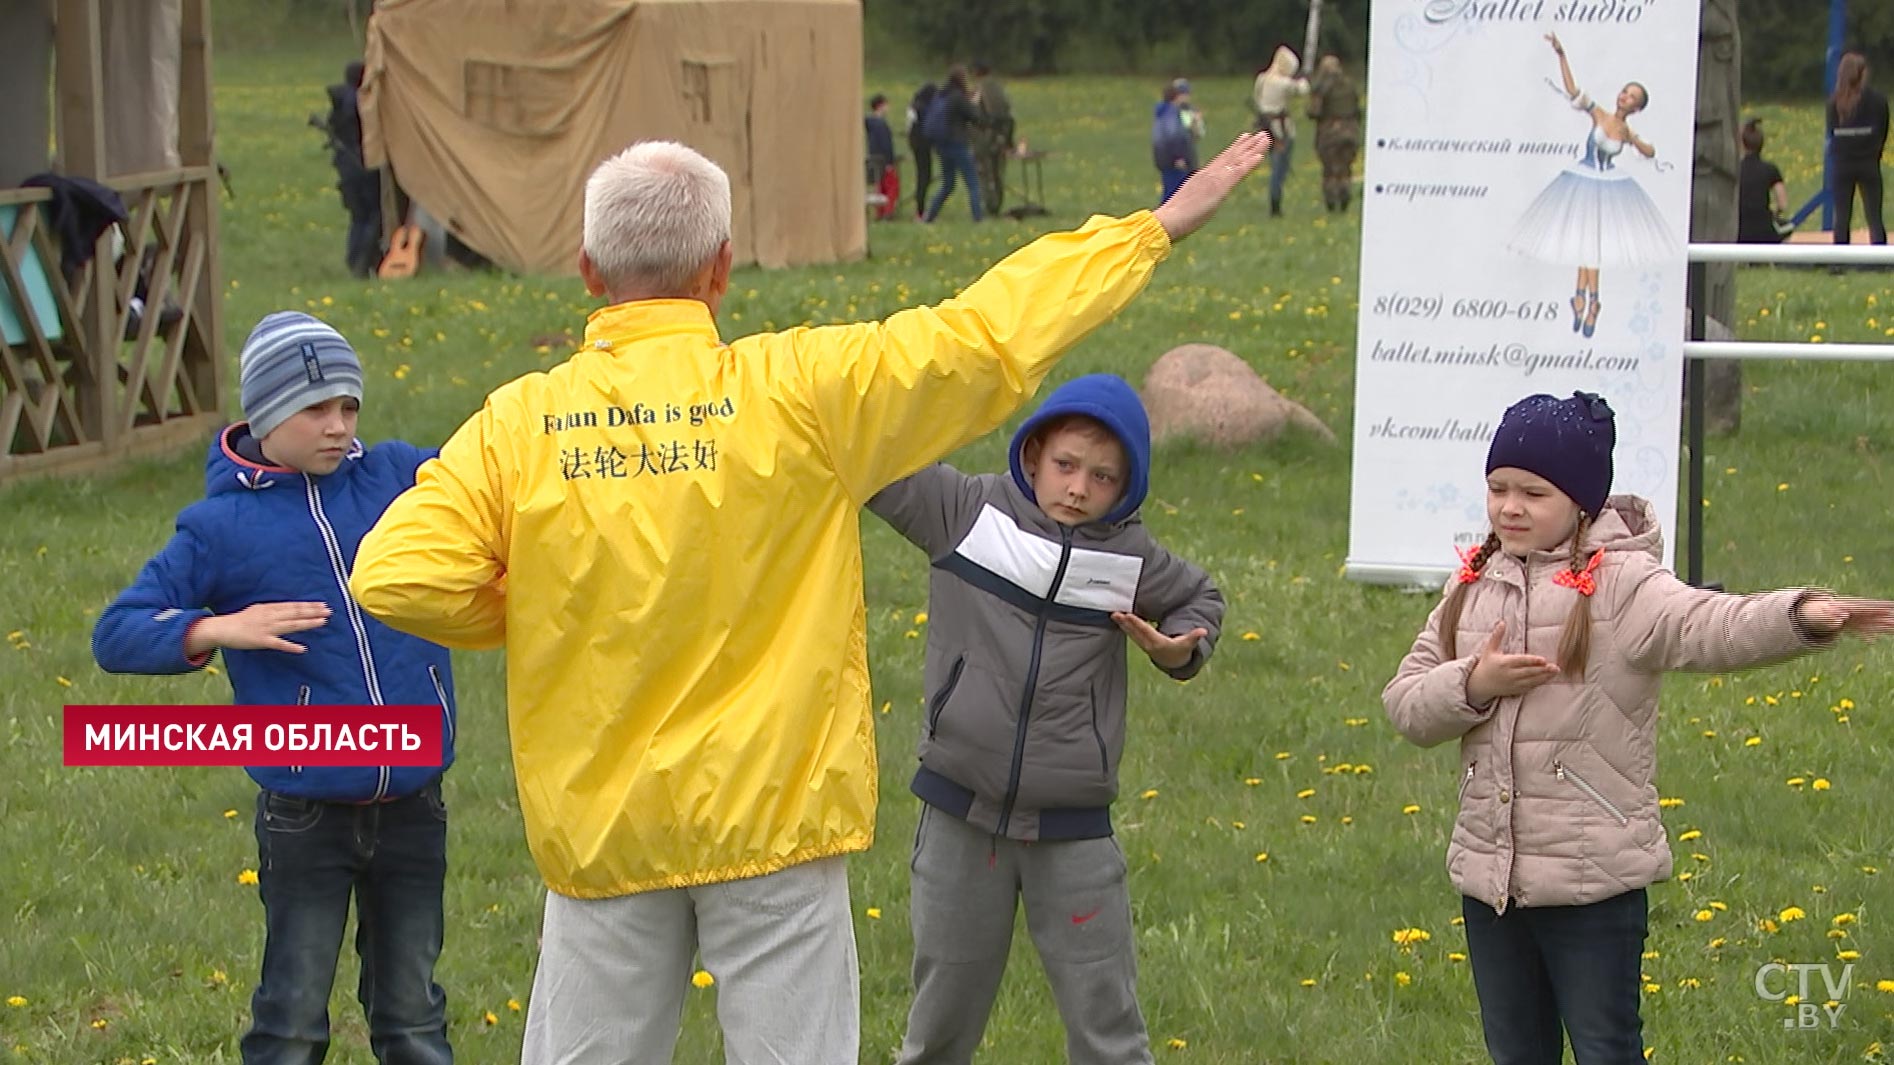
point(266, 534)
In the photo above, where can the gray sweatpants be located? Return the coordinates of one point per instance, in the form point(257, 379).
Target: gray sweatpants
point(966, 888)
point(613, 973)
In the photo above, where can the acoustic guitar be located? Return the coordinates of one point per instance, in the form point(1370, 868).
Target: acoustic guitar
point(404, 252)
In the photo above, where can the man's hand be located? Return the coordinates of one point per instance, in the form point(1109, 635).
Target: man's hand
point(1204, 191)
point(1497, 675)
point(256, 628)
point(1168, 652)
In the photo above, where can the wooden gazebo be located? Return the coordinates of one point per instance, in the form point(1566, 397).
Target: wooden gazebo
point(119, 356)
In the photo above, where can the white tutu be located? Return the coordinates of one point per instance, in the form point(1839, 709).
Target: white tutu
point(1593, 215)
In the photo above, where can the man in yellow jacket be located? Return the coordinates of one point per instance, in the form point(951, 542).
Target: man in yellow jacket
point(662, 532)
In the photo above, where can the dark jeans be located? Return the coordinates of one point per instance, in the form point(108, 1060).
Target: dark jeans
point(1846, 177)
point(312, 856)
point(1170, 179)
point(1541, 968)
point(923, 150)
point(361, 195)
point(955, 159)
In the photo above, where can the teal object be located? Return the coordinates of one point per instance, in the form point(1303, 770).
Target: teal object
point(39, 291)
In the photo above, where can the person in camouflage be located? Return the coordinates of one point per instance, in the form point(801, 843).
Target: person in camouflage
point(1335, 108)
point(993, 139)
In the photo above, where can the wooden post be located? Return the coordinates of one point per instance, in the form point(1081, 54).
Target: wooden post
point(81, 152)
point(197, 148)
point(1713, 193)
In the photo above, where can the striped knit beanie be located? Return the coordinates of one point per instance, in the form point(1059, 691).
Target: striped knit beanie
point(292, 361)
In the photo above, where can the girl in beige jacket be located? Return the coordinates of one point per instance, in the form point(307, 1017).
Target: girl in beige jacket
point(1544, 659)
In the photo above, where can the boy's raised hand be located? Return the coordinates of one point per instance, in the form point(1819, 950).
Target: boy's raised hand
point(259, 627)
point(1204, 191)
point(1169, 652)
point(1497, 675)
point(1831, 615)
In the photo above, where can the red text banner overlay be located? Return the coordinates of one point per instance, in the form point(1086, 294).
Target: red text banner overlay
point(253, 735)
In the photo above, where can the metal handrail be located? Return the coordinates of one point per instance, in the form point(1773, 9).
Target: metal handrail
point(1696, 349)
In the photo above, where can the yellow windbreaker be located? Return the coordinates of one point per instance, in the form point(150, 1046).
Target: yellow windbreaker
point(663, 533)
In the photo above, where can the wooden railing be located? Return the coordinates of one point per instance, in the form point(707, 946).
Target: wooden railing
point(83, 378)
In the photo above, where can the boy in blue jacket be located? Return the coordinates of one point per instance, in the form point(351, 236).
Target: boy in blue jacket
point(259, 568)
point(1038, 579)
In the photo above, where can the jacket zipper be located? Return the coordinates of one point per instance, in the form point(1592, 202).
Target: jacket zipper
point(302, 699)
point(354, 612)
point(946, 692)
point(1564, 774)
point(1467, 781)
point(447, 714)
point(1104, 760)
point(1032, 679)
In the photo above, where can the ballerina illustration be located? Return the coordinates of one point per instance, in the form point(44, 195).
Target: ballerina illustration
point(1594, 215)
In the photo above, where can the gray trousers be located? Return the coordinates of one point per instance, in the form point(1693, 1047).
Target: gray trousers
point(613, 973)
point(966, 888)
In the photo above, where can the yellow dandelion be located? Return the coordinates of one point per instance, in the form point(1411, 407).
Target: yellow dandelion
point(1305, 793)
point(489, 1018)
point(1767, 925)
point(1652, 988)
point(16, 1001)
point(1408, 937)
point(229, 814)
point(1846, 704)
point(1238, 824)
point(1347, 820)
point(1690, 981)
point(701, 979)
point(1180, 1044)
point(874, 913)
point(1887, 985)
point(1884, 986)
point(1792, 1000)
point(1250, 636)
point(1262, 856)
point(1841, 919)
point(1690, 835)
point(217, 978)
point(1705, 915)
point(1252, 781)
point(1402, 978)
point(1796, 782)
point(920, 618)
point(1456, 957)
point(247, 876)
point(1820, 784)
point(513, 1004)
point(1753, 741)
point(1791, 913)
point(1411, 808)
point(1283, 756)
point(1719, 906)
point(63, 682)
point(1308, 819)
point(1848, 955)
point(1363, 769)
point(1717, 943)
point(1148, 793)
point(1669, 804)
point(100, 1023)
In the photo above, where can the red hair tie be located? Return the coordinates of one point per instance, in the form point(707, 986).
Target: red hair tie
point(1467, 574)
point(1582, 582)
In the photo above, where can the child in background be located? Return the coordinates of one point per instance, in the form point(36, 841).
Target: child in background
point(264, 557)
point(1544, 660)
point(1037, 580)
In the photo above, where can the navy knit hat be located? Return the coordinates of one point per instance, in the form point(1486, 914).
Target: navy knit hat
point(292, 361)
point(1566, 441)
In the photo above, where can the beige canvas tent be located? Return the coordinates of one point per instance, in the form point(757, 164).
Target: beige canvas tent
point(493, 112)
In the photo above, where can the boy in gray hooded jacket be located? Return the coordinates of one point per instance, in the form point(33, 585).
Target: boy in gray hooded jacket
point(1037, 580)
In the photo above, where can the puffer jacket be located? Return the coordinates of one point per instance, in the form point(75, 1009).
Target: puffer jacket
point(1557, 801)
point(266, 534)
point(1026, 671)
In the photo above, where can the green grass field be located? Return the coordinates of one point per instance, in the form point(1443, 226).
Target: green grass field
point(1266, 917)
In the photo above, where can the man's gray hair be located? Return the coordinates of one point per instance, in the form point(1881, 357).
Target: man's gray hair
point(655, 213)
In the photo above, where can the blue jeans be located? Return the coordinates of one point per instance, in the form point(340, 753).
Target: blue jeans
point(955, 158)
point(1279, 153)
point(1542, 968)
point(1171, 179)
point(312, 856)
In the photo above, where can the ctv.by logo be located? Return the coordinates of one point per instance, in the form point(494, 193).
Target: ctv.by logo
point(1808, 1014)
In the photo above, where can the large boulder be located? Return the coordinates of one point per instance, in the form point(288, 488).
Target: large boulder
point(1202, 392)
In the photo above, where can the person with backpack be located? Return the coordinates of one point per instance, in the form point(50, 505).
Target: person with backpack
point(922, 148)
point(949, 117)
